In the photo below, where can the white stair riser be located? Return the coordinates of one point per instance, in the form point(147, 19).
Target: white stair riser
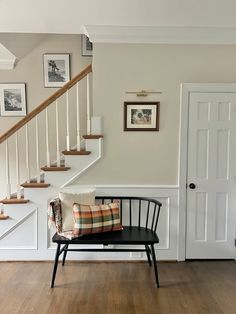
point(93, 144)
point(78, 165)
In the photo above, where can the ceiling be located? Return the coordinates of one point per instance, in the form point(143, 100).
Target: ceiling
point(63, 16)
point(24, 23)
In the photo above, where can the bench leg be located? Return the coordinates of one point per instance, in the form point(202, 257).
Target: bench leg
point(155, 264)
point(148, 255)
point(64, 254)
point(55, 264)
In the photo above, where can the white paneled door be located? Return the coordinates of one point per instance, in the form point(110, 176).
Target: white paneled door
point(211, 187)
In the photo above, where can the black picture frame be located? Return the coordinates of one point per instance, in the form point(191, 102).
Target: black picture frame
point(56, 69)
point(141, 116)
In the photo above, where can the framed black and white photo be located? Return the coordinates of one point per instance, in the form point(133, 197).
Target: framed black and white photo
point(87, 46)
point(141, 116)
point(56, 69)
point(13, 100)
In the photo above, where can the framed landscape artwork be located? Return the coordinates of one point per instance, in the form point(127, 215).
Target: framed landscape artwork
point(141, 116)
point(56, 69)
point(87, 46)
point(13, 100)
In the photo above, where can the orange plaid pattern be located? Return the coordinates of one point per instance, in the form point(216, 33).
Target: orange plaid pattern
point(96, 218)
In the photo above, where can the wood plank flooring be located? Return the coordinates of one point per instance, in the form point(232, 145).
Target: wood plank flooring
point(107, 288)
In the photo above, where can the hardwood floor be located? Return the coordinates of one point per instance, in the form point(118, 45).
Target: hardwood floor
point(107, 288)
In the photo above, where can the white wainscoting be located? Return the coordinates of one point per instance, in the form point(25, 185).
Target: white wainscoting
point(28, 237)
point(168, 221)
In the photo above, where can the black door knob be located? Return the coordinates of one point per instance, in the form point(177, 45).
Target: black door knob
point(192, 186)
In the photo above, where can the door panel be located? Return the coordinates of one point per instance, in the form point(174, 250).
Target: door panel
point(212, 168)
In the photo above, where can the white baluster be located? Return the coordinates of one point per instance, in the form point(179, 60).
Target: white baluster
point(8, 185)
point(27, 152)
point(77, 117)
point(37, 148)
point(57, 136)
point(88, 108)
point(18, 191)
point(47, 140)
point(67, 122)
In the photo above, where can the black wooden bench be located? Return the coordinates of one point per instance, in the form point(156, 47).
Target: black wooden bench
point(142, 215)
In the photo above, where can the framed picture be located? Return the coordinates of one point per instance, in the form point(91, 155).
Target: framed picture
point(87, 46)
point(56, 69)
point(141, 116)
point(12, 100)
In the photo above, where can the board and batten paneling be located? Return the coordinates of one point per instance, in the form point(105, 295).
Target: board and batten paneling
point(28, 238)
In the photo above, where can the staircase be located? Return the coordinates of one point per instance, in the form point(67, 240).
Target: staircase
point(45, 152)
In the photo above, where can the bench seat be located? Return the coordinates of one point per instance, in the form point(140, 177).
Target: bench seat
point(130, 235)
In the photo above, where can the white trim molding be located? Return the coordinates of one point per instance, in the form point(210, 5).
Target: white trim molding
point(7, 64)
point(160, 34)
point(186, 89)
point(7, 59)
point(33, 213)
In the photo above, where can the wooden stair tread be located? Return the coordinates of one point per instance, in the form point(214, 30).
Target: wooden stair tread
point(35, 185)
point(54, 168)
point(3, 217)
point(14, 201)
point(92, 137)
point(76, 152)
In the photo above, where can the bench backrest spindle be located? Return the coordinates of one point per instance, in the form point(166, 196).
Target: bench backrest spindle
point(158, 213)
point(121, 211)
point(153, 217)
point(130, 213)
point(139, 213)
point(146, 210)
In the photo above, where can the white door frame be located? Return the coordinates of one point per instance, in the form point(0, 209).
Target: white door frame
point(186, 89)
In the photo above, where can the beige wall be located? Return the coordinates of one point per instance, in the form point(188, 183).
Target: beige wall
point(130, 157)
point(148, 157)
point(29, 70)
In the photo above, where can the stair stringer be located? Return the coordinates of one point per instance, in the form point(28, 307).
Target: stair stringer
point(78, 164)
point(95, 147)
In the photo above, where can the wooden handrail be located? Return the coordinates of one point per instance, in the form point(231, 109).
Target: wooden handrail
point(46, 103)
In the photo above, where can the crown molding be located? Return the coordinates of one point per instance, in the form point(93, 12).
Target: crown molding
point(7, 64)
point(161, 35)
point(7, 59)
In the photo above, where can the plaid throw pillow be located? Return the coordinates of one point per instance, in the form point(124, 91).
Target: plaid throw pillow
point(96, 218)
